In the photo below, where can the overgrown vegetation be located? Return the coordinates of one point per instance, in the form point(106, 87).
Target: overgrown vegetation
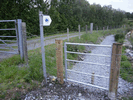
point(126, 69)
point(119, 37)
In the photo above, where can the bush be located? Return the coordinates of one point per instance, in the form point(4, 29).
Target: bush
point(119, 37)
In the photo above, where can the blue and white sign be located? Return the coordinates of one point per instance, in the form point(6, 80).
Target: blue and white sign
point(46, 20)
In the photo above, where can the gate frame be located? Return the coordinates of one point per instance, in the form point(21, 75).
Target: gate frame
point(114, 66)
point(19, 36)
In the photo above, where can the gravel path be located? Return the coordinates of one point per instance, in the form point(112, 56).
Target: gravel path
point(103, 70)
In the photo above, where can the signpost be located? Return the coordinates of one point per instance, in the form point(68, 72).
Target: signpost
point(45, 20)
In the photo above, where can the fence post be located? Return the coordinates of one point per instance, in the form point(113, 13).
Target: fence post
point(107, 28)
point(79, 31)
point(97, 28)
point(114, 70)
point(24, 42)
point(67, 34)
point(86, 29)
point(20, 38)
point(91, 28)
point(59, 60)
point(103, 28)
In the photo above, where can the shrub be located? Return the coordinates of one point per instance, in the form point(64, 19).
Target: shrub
point(119, 37)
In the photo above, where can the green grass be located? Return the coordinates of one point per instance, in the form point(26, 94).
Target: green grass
point(127, 98)
point(13, 76)
point(48, 35)
point(126, 69)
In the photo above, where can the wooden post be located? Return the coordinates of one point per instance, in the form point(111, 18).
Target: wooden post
point(24, 42)
point(79, 31)
point(59, 60)
point(86, 29)
point(92, 78)
point(67, 34)
point(114, 70)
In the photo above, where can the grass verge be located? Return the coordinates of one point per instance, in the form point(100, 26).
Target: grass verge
point(126, 69)
point(14, 77)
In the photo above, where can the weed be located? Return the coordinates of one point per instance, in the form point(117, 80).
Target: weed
point(19, 86)
point(89, 51)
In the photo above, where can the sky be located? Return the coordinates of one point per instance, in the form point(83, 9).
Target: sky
point(126, 5)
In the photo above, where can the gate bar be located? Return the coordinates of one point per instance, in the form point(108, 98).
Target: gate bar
point(88, 54)
point(7, 36)
point(8, 29)
point(9, 40)
point(65, 49)
point(7, 20)
point(17, 35)
point(85, 73)
point(8, 45)
point(8, 52)
point(87, 62)
point(89, 44)
point(87, 84)
point(4, 48)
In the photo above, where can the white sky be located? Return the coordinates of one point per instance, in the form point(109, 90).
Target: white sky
point(126, 5)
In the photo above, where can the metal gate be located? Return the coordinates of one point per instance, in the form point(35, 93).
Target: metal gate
point(8, 45)
point(89, 71)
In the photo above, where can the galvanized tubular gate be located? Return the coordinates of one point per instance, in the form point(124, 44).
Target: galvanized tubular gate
point(86, 62)
point(6, 47)
point(9, 46)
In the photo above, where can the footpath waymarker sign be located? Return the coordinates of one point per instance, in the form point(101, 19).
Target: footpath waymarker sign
point(44, 20)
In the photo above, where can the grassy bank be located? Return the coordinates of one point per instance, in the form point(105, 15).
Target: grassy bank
point(126, 69)
point(16, 78)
